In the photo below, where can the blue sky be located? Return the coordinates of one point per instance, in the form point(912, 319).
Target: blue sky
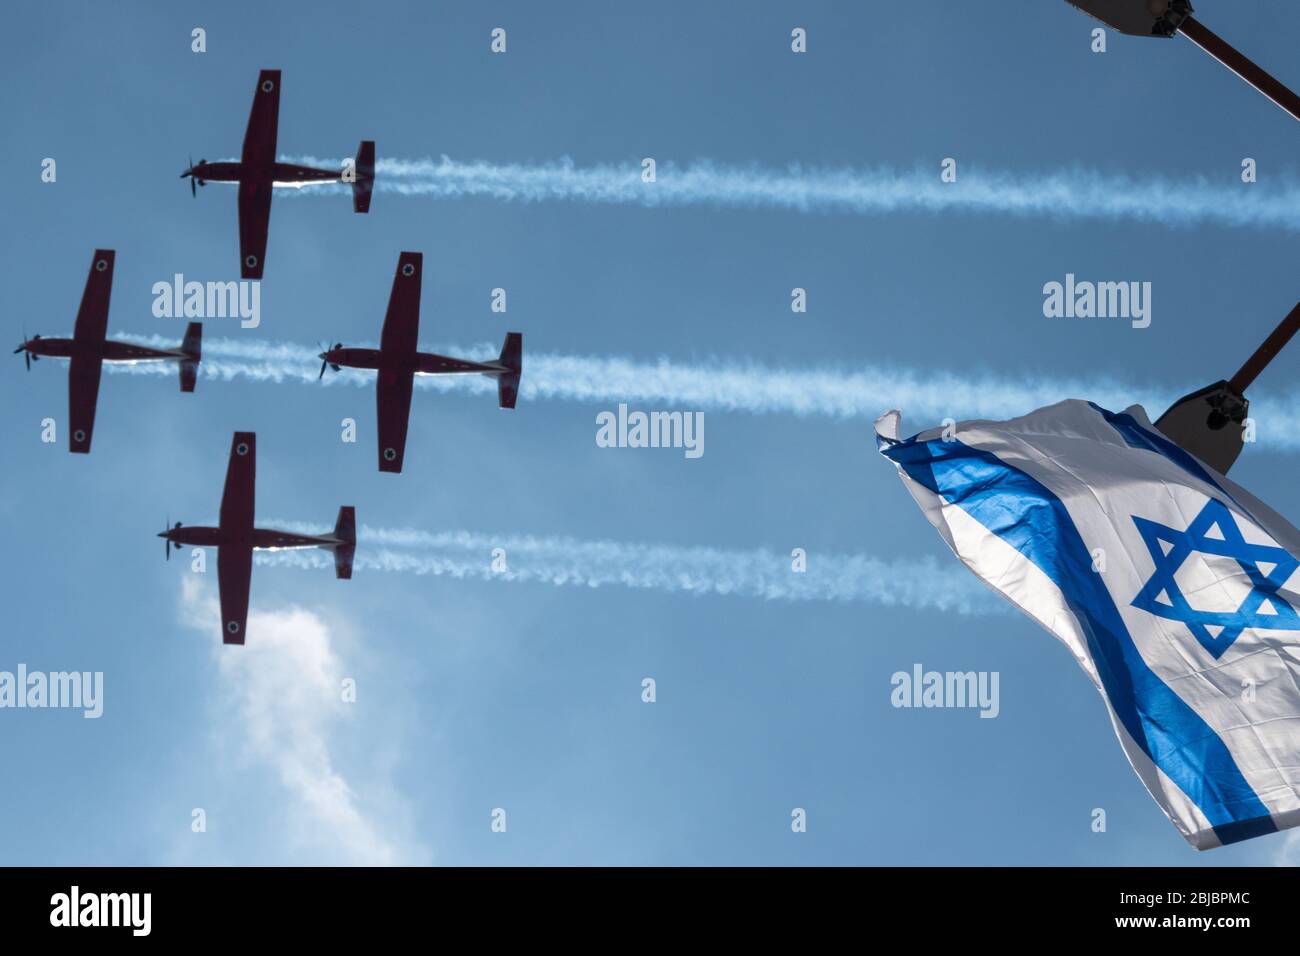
point(476, 693)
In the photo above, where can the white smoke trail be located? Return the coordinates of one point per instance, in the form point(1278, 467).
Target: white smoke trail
point(560, 561)
point(732, 385)
point(1067, 194)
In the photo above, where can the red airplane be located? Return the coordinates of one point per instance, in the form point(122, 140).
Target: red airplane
point(235, 538)
point(257, 172)
point(89, 349)
point(398, 362)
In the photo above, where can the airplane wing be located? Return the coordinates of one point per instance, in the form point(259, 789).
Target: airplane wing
point(255, 190)
point(235, 559)
point(254, 219)
point(83, 395)
point(393, 398)
point(402, 321)
point(234, 575)
point(92, 317)
point(263, 121)
point(401, 330)
point(241, 474)
point(89, 330)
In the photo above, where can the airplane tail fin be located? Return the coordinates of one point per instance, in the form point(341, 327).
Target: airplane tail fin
point(345, 529)
point(512, 357)
point(191, 345)
point(364, 184)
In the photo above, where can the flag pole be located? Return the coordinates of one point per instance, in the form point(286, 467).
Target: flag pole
point(1266, 352)
point(1238, 63)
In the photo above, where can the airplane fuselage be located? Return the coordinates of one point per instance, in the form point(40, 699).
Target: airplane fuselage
point(278, 174)
point(198, 536)
point(418, 363)
point(107, 351)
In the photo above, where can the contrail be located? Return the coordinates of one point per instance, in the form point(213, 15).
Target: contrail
point(1074, 193)
point(730, 385)
point(758, 573)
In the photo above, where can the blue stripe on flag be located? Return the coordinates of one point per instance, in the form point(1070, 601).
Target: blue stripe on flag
point(1034, 521)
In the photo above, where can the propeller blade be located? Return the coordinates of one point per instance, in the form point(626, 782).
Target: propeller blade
point(167, 542)
point(27, 357)
point(193, 191)
point(322, 370)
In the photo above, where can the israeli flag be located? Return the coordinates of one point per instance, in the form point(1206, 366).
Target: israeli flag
point(1174, 588)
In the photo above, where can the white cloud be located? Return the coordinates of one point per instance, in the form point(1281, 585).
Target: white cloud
point(1288, 850)
point(282, 692)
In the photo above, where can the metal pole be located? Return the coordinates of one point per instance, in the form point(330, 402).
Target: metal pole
point(1266, 352)
point(1218, 48)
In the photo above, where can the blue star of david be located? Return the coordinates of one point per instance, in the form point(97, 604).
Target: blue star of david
point(1216, 630)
